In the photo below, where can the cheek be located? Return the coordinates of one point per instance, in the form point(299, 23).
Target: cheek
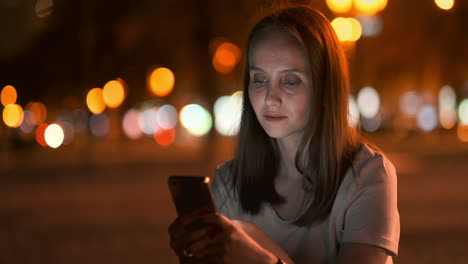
point(255, 100)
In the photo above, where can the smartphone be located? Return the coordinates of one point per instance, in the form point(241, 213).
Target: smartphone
point(191, 193)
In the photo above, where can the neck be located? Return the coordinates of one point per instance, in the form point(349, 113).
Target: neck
point(287, 148)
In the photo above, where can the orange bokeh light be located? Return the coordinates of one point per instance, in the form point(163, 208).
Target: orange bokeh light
point(40, 134)
point(226, 57)
point(95, 101)
point(113, 93)
point(39, 113)
point(13, 115)
point(161, 81)
point(8, 95)
point(462, 132)
point(164, 137)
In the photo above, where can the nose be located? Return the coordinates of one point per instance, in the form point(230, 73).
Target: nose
point(273, 96)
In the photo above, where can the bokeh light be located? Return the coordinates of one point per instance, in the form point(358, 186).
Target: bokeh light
point(68, 132)
point(161, 81)
point(113, 93)
point(40, 131)
point(343, 28)
point(427, 118)
point(356, 29)
point(340, 6)
point(368, 102)
point(99, 125)
point(447, 97)
point(54, 136)
point(447, 118)
point(196, 119)
point(444, 4)
point(463, 112)
point(167, 116)
point(164, 137)
point(131, 124)
point(39, 113)
point(410, 103)
point(148, 121)
point(227, 111)
point(13, 115)
point(26, 127)
point(462, 132)
point(95, 101)
point(371, 124)
point(8, 95)
point(353, 112)
point(372, 25)
point(226, 57)
point(370, 7)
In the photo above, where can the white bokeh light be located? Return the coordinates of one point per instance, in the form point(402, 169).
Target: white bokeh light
point(463, 112)
point(54, 135)
point(427, 118)
point(166, 117)
point(368, 102)
point(196, 119)
point(227, 111)
point(148, 121)
point(353, 114)
point(410, 103)
point(131, 124)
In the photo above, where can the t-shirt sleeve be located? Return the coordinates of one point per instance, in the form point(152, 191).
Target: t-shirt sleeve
point(372, 216)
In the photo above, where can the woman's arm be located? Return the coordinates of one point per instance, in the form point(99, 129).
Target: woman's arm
point(353, 253)
point(263, 240)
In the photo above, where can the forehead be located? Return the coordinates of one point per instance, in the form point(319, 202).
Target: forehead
point(276, 47)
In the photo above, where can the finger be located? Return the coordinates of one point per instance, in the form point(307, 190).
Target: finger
point(210, 244)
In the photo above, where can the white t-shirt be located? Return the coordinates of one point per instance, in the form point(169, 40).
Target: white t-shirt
point(364, 211)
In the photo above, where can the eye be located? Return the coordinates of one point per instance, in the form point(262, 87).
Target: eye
point(259, 80)
point(291, 81)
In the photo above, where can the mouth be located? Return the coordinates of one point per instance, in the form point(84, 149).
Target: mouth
point(274, 117)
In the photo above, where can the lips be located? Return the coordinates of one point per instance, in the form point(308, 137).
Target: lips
point(273, 116)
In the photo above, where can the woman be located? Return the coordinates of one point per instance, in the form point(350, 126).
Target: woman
point(303, 187)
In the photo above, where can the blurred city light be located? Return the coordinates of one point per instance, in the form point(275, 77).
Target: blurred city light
point(371, 124)
point(196, 119)
point(8, 95)
point(447, 97)
point(53, 135)
point(447, 118)
point(44, 8)
point(167, 116)
point(39, 113)
point(462, 132)
point(227, 112)
point(26, 126)
point(463, 112)
point(131, 124)
point(353, 114)
point(164, 137)
point(95, 101)
point(356, 29)
point(372, 25)
point(80, 119)
point(40, 131)
point(410, 103)
point(99, 125)
point(113, 93)
point(369, 7)
point(444, 4)
point(226, 57)
point(427, 118)
point(343, 28)
point(340, 6)
point(161, 81)
point(13, 115)
point(368, 102)
point(148, 121)
point(68, 132)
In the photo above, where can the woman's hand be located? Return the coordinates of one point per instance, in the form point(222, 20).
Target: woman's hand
point(213, 238)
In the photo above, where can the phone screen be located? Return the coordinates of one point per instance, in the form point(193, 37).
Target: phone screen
point(191, 193)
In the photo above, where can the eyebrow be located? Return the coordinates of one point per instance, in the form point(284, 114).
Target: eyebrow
point(287, 70)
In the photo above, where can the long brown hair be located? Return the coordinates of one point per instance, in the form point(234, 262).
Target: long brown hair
point(328, 144)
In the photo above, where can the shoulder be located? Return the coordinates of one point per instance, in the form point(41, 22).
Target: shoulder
point(223, 173)
point(371, 166)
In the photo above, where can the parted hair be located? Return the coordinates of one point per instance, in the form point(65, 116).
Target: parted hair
point(328, 143)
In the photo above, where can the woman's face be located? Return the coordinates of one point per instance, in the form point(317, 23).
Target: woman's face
point(280, 83)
